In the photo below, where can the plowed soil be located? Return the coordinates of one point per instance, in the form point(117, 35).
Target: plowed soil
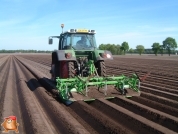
point(27, 92)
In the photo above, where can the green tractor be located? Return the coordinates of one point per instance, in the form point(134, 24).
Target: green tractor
point(79, 70)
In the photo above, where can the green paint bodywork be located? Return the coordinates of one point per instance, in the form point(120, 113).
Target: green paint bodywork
point(91, 54)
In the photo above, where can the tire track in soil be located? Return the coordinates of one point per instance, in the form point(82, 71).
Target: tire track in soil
point(162, 100)
point(155, 105)
point(131, 121)
point(11, 105)
point(159, 93)
point(96, 119)
point(3, 82)
point(32, 114)
point(154, 115)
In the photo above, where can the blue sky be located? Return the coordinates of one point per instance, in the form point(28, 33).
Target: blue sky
point(27, 24)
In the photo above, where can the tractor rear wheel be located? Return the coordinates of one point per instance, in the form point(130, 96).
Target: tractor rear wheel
point(101, 68)
point(67, 69)
point(71, 69)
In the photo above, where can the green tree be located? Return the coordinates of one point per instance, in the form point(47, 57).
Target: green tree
point(121, 50)
point(169, 44)
point(102, 47)
point(161, 49)
point(155, 48)
point(140, 49)
point(113, 49)
point(110, 47)
point(125, 47)
point(131, 50)
point(118, 49)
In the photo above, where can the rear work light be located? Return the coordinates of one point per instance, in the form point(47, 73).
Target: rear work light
point(108, 55)
point(68, 55)
point(104, 55)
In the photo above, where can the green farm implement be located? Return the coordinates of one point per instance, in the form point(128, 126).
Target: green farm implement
point(72, 89)
point(79, 70)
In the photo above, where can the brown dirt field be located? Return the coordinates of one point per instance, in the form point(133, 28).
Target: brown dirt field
point(27, 92)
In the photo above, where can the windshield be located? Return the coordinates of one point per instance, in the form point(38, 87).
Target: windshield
point(80, 41)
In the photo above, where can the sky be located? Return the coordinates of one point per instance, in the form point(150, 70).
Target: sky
point(27, 24)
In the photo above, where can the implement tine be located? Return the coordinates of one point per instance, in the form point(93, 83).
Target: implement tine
point(86, 90)
point(105, 89)
point(138, 77)
point(90, 77)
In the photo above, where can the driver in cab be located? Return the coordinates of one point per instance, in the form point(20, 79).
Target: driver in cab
point(81, 44)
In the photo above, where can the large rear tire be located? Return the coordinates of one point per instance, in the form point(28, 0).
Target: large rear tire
point(63, 69)
point(67, 69)
point(101, 68)
point(71, 70)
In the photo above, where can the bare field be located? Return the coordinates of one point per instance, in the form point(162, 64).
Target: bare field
point(27, 93)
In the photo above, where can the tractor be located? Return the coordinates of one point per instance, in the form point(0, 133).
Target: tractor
point(79, 71)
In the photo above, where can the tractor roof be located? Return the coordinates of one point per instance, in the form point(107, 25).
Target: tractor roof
point(80, 31)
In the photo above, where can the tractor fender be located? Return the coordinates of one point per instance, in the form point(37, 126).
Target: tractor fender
point(100, 58)
point(59, 55)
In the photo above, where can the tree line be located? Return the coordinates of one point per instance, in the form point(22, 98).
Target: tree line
point(24, 51)
point(169, 45)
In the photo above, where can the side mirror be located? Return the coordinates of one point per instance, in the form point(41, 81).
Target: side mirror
point(50, 41)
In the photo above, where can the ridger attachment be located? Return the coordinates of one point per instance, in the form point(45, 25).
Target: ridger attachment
point(79, 88)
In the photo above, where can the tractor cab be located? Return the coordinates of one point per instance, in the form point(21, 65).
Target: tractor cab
point(76, 39)
point(81, 42)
